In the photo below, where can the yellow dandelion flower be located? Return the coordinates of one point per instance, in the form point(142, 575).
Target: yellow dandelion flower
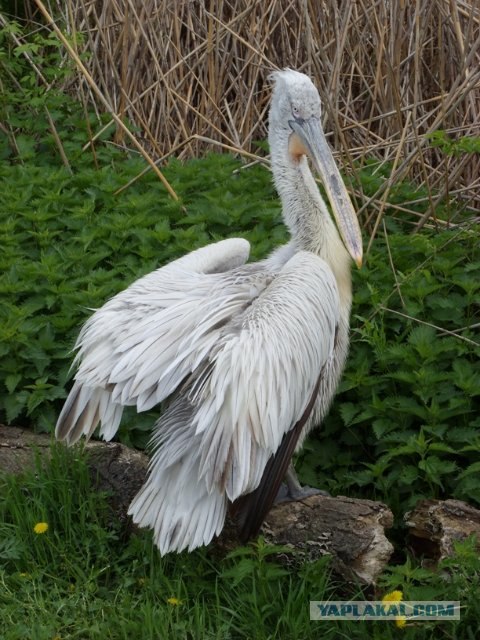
point(40, 527)
point(174, 601)
point(393, 596)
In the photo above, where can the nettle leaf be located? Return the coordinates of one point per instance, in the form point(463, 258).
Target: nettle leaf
point(14, 405)
point(467, 376)
point(405, 449)
point(37, 357)
point(381, 426)
point(409, 406)
point(26, 146)
point(424, 339)
point(435, 468)
point(348, 411)
point(468, 488)
point(409, 376)
point(472, 468)
point(441, 448)
point(408, 474)
point(12, 380)
point(463, 434)
point(243, 569)
point(361, 478)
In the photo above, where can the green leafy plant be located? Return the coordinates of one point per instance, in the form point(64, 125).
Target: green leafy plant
point(455, 147)
point(456, 577)
point(405, 421)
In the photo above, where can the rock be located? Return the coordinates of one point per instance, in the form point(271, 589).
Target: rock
point(352, 531)
point(435, 525)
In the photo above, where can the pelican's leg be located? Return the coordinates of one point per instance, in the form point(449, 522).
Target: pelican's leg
point(291, 489)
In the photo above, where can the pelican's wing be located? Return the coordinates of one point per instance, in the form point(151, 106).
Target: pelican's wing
point(240, 406)
point(262, 372)
point(138, 347)
point(251, 509)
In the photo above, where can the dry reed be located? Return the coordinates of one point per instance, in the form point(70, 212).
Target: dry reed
point(193, 73)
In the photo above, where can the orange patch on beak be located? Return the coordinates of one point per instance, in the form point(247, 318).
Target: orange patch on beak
point(296, 148)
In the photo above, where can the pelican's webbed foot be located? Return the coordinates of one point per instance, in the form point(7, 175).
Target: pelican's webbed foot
point(292, 490)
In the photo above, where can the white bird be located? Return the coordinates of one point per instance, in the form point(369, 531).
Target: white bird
point(248, 356)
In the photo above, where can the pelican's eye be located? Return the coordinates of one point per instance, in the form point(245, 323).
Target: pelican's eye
point(297, 115)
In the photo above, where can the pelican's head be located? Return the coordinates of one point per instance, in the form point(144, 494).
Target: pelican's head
point(295, 116)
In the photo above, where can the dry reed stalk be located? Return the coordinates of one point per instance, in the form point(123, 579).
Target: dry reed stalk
point(390, 72)
point(95, 89)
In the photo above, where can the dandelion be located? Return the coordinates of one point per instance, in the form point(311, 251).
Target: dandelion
point(40, 527)
point(395, 596)
point(174, 601)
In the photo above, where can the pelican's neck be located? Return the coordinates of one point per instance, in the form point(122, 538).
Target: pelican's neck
point(303, 210)
point(308, 219)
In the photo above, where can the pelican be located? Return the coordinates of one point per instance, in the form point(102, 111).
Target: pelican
point(247, 356)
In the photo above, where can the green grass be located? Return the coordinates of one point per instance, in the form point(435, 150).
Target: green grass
point(85, 578)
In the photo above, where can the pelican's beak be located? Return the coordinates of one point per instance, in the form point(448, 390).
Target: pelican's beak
point(309, 135)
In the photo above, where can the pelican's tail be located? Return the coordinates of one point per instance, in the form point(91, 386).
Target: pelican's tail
point(84, 408)
point(179, 509)
point(175, 501)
